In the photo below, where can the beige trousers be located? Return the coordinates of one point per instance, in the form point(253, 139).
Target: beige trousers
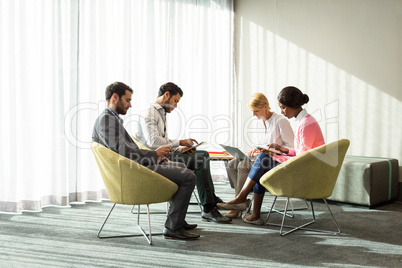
point(238, 171)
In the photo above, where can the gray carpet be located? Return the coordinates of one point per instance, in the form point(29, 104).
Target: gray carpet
point(66, 237)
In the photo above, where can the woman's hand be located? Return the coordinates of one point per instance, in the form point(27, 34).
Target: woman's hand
point(278, 148)
point(253, 152)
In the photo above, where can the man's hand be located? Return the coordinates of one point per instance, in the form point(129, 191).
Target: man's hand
point(188, 152)
point(163, 152)
point(188, 142)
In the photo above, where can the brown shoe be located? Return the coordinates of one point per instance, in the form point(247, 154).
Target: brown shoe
point(180, 234)
point(240, 206)
point(233, 215)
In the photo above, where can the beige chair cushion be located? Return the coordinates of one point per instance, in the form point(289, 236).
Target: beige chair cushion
point(310, 175)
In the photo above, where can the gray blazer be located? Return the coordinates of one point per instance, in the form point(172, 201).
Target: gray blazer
point(109, 132)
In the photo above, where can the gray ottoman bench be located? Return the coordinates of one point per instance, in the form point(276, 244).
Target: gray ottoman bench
point(367, 181)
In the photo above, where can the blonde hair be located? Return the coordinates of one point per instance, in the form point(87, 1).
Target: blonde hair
point(257, 101)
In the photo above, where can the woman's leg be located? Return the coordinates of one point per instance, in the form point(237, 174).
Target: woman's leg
point(262, 164)
point(259, 192)
point(257, 203)
point(243, 169)
point(232, 169)
point(242, 196)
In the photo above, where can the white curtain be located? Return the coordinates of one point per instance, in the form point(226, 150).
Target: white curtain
point(57, 59)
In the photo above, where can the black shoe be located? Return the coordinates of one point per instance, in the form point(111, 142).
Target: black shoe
point(189, 226)
point(215, 216)
point(180, 234)
point(218, 200)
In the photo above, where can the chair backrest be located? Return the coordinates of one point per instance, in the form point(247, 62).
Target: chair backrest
point(128, 182)
point(310, 175)
point(139, 144)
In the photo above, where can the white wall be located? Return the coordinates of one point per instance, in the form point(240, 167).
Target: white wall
point(346, 55)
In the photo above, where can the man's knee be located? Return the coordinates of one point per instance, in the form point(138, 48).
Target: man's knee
point(189, 176)
point(178, 164)
point(232, 164)
point(245, 165)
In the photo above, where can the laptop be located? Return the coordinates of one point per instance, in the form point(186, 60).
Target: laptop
point(235, 152)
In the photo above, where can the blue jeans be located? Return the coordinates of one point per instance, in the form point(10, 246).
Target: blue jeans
point(262, 164)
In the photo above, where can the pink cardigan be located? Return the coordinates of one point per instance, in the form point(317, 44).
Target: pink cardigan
point(307, 136)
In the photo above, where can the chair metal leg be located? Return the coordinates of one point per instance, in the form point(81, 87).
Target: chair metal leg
point(147, 237)
point(157, 212)
point(283, 211)
point(332, 215)
point(298, 227)
point(305, 201)
point(247, 211)
point(293, 208)
point(302, 227)
point(294, 228)
point(198, 200)
point(269, 212)
point(272, 209)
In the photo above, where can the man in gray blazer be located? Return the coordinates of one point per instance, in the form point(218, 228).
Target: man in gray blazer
point(110, 132)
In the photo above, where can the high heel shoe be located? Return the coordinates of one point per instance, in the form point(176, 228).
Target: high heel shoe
point(240, 206)
point(233, 215)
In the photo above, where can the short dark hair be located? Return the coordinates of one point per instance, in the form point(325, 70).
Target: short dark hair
point(172, 88)
point(292, 97)
point(117, 87)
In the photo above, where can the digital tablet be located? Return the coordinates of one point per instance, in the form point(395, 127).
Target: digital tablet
point(272, 150)
point(195, 146)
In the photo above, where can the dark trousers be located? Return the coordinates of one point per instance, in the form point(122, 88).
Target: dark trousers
point(199, 162)
point(185, 179)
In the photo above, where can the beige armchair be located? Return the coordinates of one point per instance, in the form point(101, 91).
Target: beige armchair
point(310, 175)
point(130, 183)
